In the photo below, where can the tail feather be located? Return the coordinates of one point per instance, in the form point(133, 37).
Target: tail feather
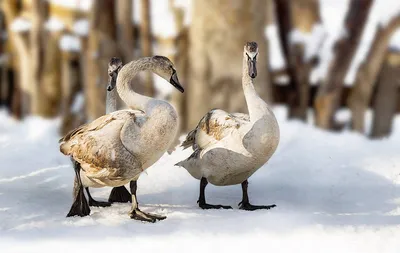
point(190, 139)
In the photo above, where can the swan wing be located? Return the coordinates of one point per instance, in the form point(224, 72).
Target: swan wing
point(214, 127)
point(97, 146)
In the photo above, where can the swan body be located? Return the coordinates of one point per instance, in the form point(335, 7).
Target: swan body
point(115, 148)
point(230, 147)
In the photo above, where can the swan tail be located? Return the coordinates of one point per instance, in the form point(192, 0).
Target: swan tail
point(190, 139)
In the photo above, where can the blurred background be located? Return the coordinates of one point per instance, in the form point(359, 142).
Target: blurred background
point(316, 57)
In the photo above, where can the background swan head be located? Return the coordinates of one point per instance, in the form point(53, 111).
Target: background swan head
point(251, 52)
point(165, 69)
point(114, 67)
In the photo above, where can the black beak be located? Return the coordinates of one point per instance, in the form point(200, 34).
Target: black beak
point(252, 67)
point(175, 82)
point(113, 81)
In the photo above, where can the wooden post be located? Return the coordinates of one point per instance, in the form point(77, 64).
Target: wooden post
point(386, 99)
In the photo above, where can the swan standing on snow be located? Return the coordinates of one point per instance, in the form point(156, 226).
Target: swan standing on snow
point(114, 149)
point(118, 194)
point(229, 148)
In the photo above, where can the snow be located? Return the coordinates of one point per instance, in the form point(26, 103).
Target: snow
point(20, 24)
point(54, 24)
point(70, 43)
point(334, 193)
point(81, 27)
point(312, 41)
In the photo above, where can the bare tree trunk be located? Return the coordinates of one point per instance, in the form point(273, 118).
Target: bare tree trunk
point(300, 15)
point(327, 100)
point(368, 73)
point(36, 53)
point(101, 47)
point(125, 36)
point(145, 41)
point(70, 82)
point(181, 63)
point(217, 35)
point(22, 89)
point(387, 95)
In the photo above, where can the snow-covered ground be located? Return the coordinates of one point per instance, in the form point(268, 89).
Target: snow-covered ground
point(334, 193)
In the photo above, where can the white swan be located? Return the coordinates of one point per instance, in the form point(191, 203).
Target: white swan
point(229, 148)
point(114, 149)
point(118, 194)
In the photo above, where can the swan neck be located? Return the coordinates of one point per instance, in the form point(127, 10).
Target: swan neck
point(124, 83)
point(255, 105)
point(111, 101)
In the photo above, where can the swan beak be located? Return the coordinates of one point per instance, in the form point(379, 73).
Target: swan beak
point(252, 67)
point(175, 82)
point(113, 81)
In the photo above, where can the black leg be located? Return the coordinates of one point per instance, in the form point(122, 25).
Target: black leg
point(245, 204)
point(202, 198)
point(80, 206)
point(120, 194)
point(93, 202)
point(136, 213)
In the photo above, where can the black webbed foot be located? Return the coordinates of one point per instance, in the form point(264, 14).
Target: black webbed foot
point(147, 217)
point(209, 206)
point(120, 195)
point(80, 206)
point(249, 207)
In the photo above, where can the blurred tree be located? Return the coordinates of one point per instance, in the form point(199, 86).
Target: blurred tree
point(101, 47)
point(181, 60)
point(301, 16)
point(125, 36)
point(329, 94)
point(368, 73)
point(386, 99)
point(146, 42)
point(217, 35)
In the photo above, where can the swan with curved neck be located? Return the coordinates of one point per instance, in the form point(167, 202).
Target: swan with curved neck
point(115, 148)
point(230, 147)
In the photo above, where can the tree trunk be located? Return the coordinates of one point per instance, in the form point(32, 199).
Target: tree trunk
point(327, 100)
point(71, 87)
point(22, 89)
point(386, 95)
point(125, 36)
point(36, 53)
point(101, 47)
point(302, 16)
point(368, 73)
point(145, 42)
point(217, 35)
point(50, 79)
point(181, 61)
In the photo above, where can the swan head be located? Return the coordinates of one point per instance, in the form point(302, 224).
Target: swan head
point(251, 52)
point(165, 69)
point(114, 66)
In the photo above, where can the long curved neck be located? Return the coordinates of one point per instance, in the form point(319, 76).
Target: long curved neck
point(256, 106)
point(111, 101)
point(132, 99)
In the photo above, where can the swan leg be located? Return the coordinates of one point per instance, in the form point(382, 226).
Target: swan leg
point(80, 207)
point(119, 194)
point(245, 204)
point(93, 202)
point(136, 213)
point(202, 198)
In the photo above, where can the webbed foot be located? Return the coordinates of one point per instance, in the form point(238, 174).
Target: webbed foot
point(120, 195)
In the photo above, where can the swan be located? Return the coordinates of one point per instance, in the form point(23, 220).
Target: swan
point(118, 194)
point(230, 147)
point(116, 148)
